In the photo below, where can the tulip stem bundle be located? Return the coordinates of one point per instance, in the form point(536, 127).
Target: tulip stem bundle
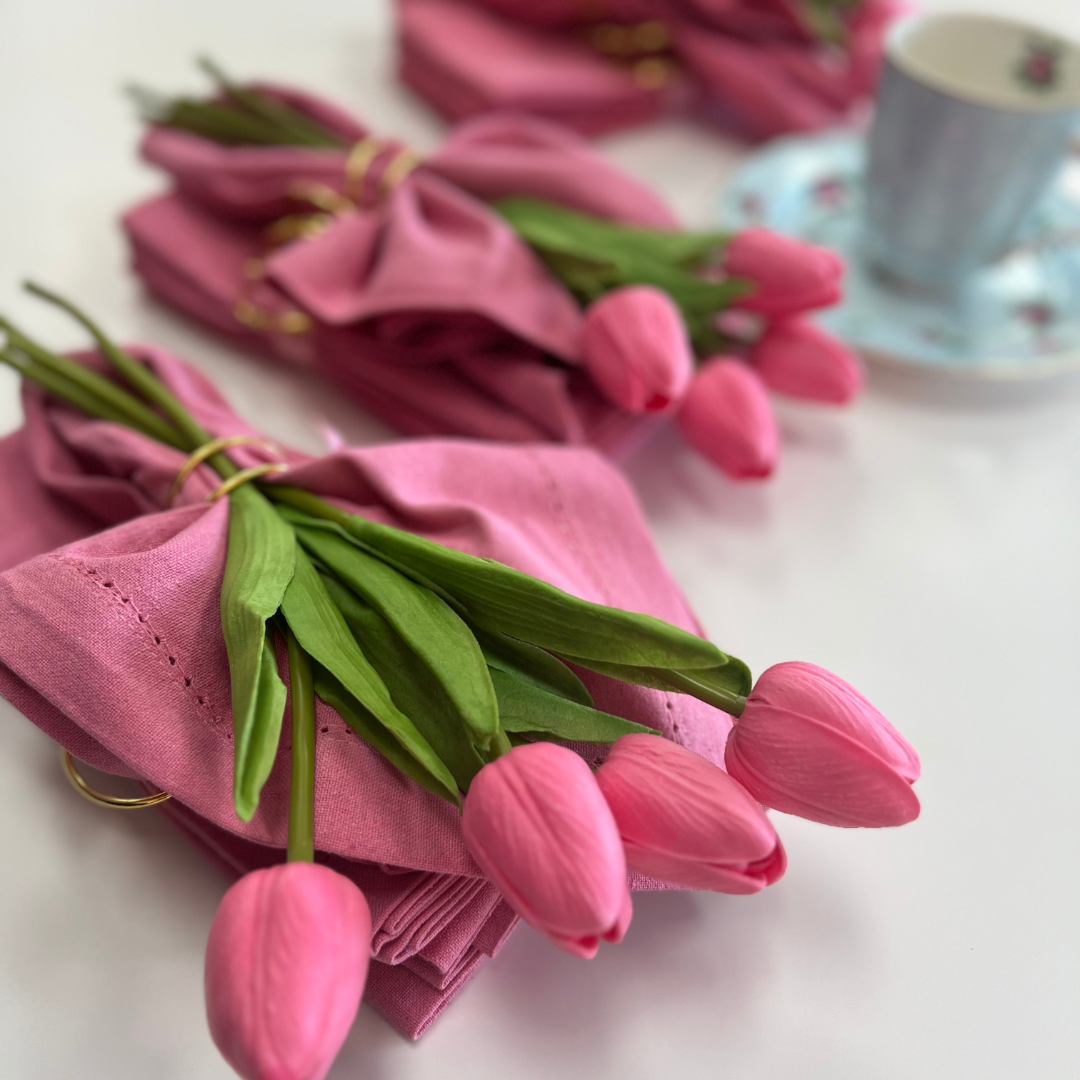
point(239, 116)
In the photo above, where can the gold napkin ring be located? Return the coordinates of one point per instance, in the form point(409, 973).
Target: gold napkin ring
point(244, 475)
point(208, 450)
point(98, 798)
point(364, 155)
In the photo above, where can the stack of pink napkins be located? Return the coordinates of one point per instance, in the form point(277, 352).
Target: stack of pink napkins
point(424, 305)
point(110, 641)
point(754, 66)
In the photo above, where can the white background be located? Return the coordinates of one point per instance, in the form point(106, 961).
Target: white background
point(924, 544)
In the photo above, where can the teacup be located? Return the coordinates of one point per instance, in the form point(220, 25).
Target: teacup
point(974, 116)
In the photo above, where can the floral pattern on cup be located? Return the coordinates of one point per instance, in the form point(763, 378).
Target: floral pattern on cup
point(1040, 68)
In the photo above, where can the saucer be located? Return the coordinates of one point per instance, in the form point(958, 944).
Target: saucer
point(1016, 319)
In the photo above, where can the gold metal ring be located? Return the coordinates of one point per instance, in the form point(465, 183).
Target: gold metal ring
point(364, 155)
point(399, 166)
point(357, 164)
point(322, 197)
point(98, 798)
point(265, 321)
point(208, 450)
point(244, 475)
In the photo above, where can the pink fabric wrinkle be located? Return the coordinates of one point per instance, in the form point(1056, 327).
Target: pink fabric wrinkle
point(504, 155)
point(439, 250)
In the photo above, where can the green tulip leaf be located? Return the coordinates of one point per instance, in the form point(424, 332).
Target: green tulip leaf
point(429, 628)
point(322, 633)
point(722, 686)
point(413, 687)
point(499, 598)
point(258, 568)
point(376, 735)
point(552, 227)
point(526, 709)
point(533, 665)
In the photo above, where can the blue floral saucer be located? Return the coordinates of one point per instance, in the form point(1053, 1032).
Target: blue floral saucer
point(1017, 319)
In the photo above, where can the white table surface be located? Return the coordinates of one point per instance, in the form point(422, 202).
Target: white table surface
point(924, 544)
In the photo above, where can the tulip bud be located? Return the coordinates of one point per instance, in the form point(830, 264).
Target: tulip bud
point(809, 744)
point(726, 417)
point(797, 357)
point(685, 821)
point(536, 823)
point(788, 275)
point(636, 349)
point(286, 964)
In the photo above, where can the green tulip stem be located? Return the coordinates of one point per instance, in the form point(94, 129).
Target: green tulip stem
point(499, 745)
point(302, 785)
point(731, 703)
point(305, 501)
point(141, 379)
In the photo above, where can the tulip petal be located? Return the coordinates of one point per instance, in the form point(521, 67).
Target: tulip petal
point(727, 418)
point(537, 825)
point(626, 914)
point(789, 275)
point(822, 774)
point(799, 358)
point(636, 349)
point(812, 692)
point(286, 963)
point(683, 820)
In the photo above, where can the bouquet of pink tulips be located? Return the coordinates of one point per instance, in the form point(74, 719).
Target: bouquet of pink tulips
point(462, 673)
point(656, 298)
point(513, 286)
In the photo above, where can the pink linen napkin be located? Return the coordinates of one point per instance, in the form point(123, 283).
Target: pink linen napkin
point(753, 66)
point(111, 644)
point(424, 304)
point(466, 62)
point(491, 157)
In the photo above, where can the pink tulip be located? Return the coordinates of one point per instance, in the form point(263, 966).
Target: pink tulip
point(636, 349)
point(726, 417)
point(809, 744)
point(286, 964)
point(797, 357)
point(685, 821)
point(537, 825)
point(788, 275)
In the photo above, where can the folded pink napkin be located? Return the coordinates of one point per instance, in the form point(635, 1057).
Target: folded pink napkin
point(466, 62)
point(110, 642)
point(755, 66)
point(419, 300)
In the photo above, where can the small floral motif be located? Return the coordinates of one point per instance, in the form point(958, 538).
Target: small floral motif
point(752, 206)
point(1040, 68)
point(1038, 314)
point(830, 192)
